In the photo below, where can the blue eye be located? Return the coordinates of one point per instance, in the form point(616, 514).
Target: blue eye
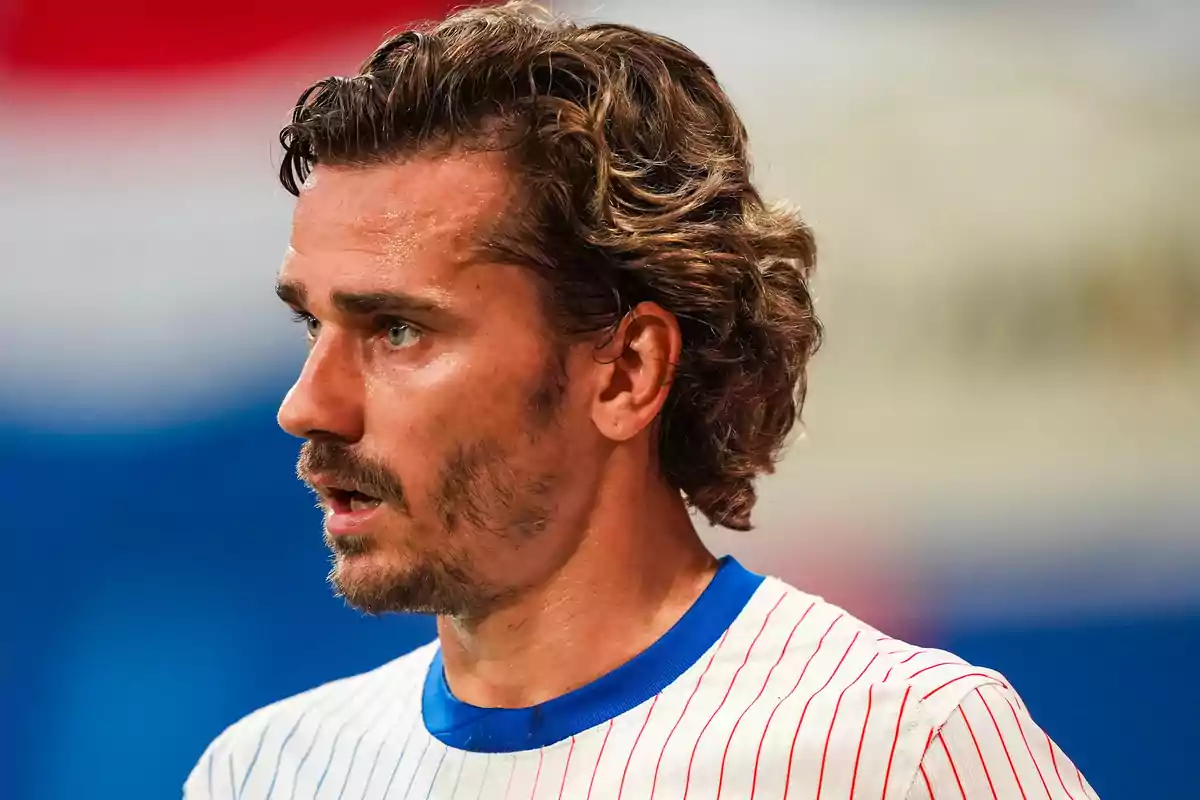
point(312, 326)
point(401, 334)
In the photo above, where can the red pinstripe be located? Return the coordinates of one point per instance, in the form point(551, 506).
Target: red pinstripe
point(910, 658)
point(1004, 744)
point(932, 666)
point(932, 692)
point(953, 768)
point(987, 773)
point(538, 775)
point(636, 739)
point(1029, 749)
point(1054, 761)
point(566, 769)
point(833, 721)
point(787, 784)
point(745, 660)
point(771, 716)
point(924, 777)
point(696, 688)
point(895, 740)
point(763, 688)
point(599, 755)
point(861, 738)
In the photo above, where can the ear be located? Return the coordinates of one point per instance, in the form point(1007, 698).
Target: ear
point(637, 370)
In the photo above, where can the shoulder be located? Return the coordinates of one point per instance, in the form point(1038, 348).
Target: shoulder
point(228, 760)
point(823, 640)
point(851, 704)
point(990, 746)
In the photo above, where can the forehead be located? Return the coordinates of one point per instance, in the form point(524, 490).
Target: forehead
point(428, 209)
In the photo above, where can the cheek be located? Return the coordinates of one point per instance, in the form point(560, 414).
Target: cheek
point(416, 415)
point(407, 427)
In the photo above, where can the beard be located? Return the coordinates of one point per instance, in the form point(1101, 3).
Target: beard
point(481, 503)
point(431, 585)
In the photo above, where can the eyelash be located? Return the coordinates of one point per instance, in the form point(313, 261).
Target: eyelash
point(380, 323)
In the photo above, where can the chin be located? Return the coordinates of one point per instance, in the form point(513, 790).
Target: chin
point(365, 592)
point(375, 582)
point(363, 572)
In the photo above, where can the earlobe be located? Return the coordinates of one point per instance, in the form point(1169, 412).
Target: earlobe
point(639, 360)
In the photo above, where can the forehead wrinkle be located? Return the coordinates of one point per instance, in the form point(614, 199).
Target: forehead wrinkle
point(439, 210)
point(455, 235)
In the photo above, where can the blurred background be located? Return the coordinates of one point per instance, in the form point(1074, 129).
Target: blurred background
point(1002, 448)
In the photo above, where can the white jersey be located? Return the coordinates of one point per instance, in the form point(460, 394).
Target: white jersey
point(759, 691)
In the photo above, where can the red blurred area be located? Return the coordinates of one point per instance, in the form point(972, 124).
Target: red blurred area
point(74, 40)
point(844, 563)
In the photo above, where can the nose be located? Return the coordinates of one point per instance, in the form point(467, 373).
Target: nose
point(327, 399)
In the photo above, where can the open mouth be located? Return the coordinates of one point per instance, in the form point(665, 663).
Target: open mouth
point(345, 501)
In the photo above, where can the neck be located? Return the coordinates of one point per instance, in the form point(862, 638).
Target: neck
point(639, 566)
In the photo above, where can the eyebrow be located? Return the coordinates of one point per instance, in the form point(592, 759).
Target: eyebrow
point(291, 293)
point(361, 304)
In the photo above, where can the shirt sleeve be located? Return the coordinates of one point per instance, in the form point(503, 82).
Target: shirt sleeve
point(196, 787)
point(202, 784)
point(991, 749)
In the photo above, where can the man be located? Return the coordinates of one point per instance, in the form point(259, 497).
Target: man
point(547, 311)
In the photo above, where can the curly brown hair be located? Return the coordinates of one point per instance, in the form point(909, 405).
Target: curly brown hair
point(635, 181)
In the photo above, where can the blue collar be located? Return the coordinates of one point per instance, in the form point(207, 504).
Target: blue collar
point(505, 730)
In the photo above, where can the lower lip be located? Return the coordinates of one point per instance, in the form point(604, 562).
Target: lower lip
point(346, 523)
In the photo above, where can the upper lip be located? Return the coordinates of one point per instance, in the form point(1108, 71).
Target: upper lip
point(328, 487)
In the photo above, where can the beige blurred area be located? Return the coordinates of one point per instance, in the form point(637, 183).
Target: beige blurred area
point(1007, 202)
point(1006, 198)
point(1000, 453)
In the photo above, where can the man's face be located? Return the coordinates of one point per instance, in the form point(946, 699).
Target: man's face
point(440, 413)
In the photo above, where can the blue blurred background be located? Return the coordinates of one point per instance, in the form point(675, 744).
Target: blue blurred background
point(1002, 449)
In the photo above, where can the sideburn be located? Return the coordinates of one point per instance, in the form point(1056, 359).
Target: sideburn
point(545, 400)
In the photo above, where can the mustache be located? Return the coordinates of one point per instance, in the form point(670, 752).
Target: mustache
point(338, 462)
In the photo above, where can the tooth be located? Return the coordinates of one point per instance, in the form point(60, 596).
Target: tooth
point(360, 503)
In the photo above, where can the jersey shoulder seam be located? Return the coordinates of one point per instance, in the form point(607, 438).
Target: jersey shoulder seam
point(936, 719)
